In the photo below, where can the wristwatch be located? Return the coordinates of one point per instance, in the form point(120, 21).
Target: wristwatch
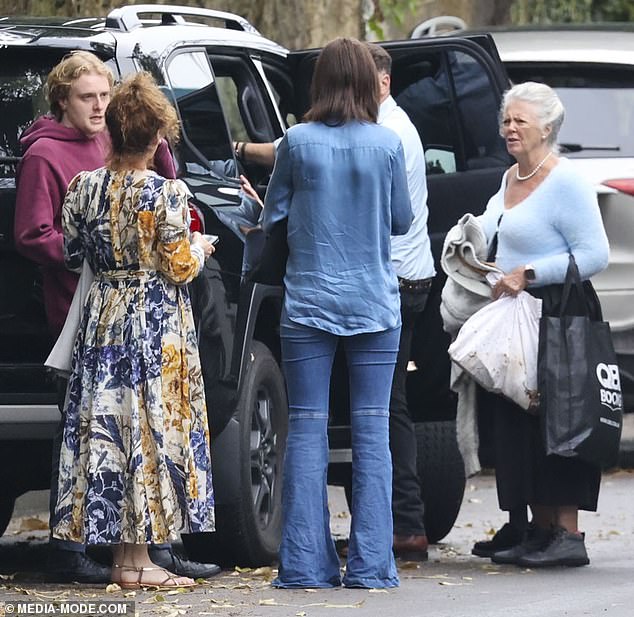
point(529, 272)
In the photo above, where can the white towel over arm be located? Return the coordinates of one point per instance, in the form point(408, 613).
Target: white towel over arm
point(61, 356)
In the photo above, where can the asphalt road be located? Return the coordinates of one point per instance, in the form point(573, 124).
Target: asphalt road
point(451, 584)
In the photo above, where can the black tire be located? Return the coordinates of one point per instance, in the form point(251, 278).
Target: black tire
point(441, 474)
point(248, 531)
point(442, 477)
point(6, 511)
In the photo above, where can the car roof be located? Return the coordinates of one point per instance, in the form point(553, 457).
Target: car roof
point(92, 33)
point(587, 44)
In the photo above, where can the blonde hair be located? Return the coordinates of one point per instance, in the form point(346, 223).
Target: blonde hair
point(137, 113)
point(63, 74)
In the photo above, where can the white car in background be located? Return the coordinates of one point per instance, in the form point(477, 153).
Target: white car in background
point(592, 70)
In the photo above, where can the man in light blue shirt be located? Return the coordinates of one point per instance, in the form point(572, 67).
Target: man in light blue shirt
point(414, 265)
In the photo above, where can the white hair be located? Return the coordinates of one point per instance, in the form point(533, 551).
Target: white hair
point(548, 107)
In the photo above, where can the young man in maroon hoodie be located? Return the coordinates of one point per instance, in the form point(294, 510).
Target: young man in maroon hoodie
point(56, 148)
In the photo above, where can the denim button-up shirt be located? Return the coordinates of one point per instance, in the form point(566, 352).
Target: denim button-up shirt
point(344, 190)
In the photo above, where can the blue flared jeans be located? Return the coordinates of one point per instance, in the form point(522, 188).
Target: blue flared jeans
point(307, 552)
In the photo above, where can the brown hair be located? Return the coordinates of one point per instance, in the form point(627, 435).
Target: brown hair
point(137, 112)
point(382, 59)
point(65, 72)
point(345, 85)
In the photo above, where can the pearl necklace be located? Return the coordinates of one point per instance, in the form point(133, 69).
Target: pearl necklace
point(530, 175)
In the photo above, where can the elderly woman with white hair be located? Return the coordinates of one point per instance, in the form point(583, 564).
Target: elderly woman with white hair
point(543, 212)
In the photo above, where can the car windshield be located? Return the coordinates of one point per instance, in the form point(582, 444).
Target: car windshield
point(21, 98)
point(23, 73)
point(599, 102)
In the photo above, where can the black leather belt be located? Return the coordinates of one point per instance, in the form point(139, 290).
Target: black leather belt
point(419, 285)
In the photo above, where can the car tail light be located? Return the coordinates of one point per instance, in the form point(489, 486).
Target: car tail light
point(623, 185)
point(197, 223)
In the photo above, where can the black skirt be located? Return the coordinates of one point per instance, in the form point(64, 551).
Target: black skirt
point(524, 474)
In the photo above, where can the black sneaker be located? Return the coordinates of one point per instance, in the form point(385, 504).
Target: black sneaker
point(535, 539)
point(168, 559)
point(73, 566)
point(564, 549)
point(505, 537)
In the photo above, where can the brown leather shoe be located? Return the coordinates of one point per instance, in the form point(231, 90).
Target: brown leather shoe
point(410, 548)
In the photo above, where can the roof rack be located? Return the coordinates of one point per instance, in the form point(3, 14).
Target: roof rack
point(127, 18)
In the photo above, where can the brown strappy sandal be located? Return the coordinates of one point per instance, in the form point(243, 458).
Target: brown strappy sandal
point(169, 582)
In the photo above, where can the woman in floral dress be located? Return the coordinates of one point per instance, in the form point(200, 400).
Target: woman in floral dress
point(135, 464)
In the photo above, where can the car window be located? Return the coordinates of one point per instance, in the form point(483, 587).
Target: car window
point(207, 142)
point(448, 96)
point(282, 89)
point(602, 93)
point(475, 98)
point(240, 90)
point(22, 78)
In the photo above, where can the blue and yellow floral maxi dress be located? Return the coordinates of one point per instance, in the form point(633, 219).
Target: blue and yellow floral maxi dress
point(135, 462)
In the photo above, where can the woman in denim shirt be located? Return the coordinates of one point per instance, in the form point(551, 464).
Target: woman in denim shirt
point(341, 181)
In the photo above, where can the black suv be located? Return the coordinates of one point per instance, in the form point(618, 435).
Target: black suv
point(228, 84)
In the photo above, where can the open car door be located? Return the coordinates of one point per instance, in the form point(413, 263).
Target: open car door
point(451, 88)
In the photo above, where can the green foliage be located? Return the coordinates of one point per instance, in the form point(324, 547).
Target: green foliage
point(389, 10)
point(613, 10)
point(570, 11)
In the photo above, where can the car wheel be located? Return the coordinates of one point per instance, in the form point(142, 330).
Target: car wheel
point(442, 476)
point(249, 530)
point(6, 511)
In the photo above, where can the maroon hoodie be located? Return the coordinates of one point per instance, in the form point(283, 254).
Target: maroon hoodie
point(53, 155)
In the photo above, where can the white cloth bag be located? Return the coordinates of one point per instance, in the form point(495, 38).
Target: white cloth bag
point(497, 346)
point(60, 358)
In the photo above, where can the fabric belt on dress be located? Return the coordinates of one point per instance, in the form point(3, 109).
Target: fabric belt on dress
point(418, 285)
point(124, 275)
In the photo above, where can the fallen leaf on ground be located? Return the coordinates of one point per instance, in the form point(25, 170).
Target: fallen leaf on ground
point(32, 524)
point(409, 565)
point(173, 612)
point(112, 588)
point(358, 604)
point(50, 595)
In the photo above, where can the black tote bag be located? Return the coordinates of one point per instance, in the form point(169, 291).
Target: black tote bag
point(579, 387)
point(270, 264)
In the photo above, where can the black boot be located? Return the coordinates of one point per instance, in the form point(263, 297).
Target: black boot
point(75, 566)
point(168, 559)
point(535, 539)
point(564, 549)
point(506, 537)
